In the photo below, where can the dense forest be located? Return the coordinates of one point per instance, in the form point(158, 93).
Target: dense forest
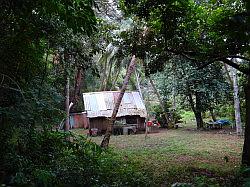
point(189, 60)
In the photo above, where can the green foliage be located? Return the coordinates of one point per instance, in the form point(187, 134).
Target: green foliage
point(49, 158)
point(246, 177)
point(159, 115)
point(53, 158)
point(176, 116)
point(187, 115)
point(204, 181)
point(193, 89)
point(201, 31)
point(225, 111)
point(27, 27)
point(242, 84)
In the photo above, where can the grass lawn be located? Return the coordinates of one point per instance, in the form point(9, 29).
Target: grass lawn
point(183, 155)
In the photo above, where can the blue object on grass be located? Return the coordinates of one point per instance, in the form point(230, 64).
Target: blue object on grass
point(223, 122)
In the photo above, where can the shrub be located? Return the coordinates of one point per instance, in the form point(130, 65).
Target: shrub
point(187, 115)
point(225, 111)
point(55, 158)
point(156, 111)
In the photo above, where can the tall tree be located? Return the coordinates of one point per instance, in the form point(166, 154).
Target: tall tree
point(236, 102)
point(106, 138)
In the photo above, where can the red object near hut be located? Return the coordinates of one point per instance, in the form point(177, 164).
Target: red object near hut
point(153, 123)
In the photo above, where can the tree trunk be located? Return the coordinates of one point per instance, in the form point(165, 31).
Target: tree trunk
point(67, 126)
point(66, 90)
point(246, 147)
point(191, 102)
point(174, 98)
point(234, 84)
point(212, 114)
point(78, 81)
point(104, 75)
point(228, 75)
point(105, 141)
point(115, 78)
point(198, 118)
point(109, 75)
point(138, 84)
point(195, 108)
point(174, 87)
point(147, 106)
point(236, 103)
point(77, 89)
point(226, 67)
point(198, 115)
point(160, 101)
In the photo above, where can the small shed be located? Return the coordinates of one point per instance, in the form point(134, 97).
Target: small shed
point(99, 107)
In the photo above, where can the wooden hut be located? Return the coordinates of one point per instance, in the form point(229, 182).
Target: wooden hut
point(99, 107)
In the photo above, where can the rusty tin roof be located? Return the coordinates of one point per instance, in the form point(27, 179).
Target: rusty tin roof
point(101, 104)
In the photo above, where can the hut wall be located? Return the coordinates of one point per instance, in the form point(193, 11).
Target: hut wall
point(141, 123)
point(79, 120)
point(100, 123)
point(136, 120)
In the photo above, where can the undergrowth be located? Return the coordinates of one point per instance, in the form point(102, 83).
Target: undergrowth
point(57, 158)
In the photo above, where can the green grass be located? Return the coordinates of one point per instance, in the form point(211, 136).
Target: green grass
point(183, 155)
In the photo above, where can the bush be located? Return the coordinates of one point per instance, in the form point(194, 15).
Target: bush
point(225, 111)
point(187, 115)
point(156, 111)
point(51, 158)
point(55, 158)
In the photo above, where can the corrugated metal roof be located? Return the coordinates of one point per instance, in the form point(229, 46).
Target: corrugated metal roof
point(101, 104)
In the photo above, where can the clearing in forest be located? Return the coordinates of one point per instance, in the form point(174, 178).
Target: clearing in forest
point(184, 154)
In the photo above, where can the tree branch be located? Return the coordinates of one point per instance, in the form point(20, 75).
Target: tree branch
point(184, 54)
point(222, 59)
point(237, 56)
point(236, 66)
point(18, 90)
point(228, 62)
